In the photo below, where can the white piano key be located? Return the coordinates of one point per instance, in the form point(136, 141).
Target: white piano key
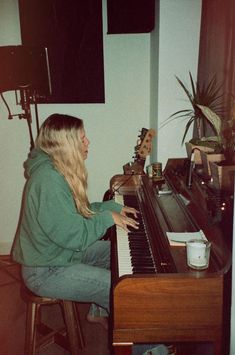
point(119, 199)
point(123, 250)
point(125, 266)
point(124, 259)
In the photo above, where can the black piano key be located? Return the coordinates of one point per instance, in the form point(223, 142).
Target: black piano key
point(140, 270)
point(138, 243)
point(138, 252)
point(137, 234)
point(143, 263)
point(142, 257)
point(139, 255)
point(137, 238)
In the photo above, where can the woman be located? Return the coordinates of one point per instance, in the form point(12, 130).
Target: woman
point(58, 241)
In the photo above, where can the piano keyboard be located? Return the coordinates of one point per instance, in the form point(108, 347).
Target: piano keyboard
point(133, 249)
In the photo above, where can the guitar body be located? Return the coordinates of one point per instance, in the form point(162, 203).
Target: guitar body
point(134, 168)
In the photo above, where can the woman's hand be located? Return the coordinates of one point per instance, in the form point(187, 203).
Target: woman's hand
point(129, 210)
point(121, 220)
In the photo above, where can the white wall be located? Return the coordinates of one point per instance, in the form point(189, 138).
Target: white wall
point(12, 138)
point(111, 127)
point(178, 54)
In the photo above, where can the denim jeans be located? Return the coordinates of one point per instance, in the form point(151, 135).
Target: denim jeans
point(88, 281)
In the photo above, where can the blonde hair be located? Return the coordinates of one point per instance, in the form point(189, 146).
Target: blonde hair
point(59, 137)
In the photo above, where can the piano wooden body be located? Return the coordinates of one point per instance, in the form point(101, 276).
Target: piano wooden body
point(175, 303)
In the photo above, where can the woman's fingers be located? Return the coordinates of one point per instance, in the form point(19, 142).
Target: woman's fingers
point(124, 222)
point(129, 210)
point(129, 222)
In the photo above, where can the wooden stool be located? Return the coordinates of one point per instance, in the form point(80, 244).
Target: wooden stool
point(69, 337)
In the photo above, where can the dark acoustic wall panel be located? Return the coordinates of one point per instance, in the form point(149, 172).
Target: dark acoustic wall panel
point(72, 32)
point(130, 16)
point(24, 67)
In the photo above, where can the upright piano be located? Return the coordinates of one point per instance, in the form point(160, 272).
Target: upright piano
point(156, 297)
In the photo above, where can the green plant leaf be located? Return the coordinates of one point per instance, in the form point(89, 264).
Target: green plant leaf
point(192, 119)
point(189, 95)
point(212, 117)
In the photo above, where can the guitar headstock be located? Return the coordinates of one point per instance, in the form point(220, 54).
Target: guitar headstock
point(142, 149)
point(144, 146)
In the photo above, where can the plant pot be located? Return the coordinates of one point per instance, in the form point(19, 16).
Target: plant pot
point(197, 155)
point(207, 157)
point(222, 175)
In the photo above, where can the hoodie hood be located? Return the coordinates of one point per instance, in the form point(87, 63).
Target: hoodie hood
point(36, 160)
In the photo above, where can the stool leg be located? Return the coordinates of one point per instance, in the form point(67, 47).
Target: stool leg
point(79, 327)
point(73, 327)
point(30, 331)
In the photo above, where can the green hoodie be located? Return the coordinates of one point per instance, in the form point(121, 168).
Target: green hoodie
point(51, 231)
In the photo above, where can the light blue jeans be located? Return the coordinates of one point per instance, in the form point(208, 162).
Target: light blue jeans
point(88, 281)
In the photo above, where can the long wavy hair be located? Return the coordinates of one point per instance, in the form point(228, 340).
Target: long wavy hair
point(59, 137)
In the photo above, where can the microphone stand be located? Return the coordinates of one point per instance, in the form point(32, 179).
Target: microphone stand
point(25, 104)
point(36, 114)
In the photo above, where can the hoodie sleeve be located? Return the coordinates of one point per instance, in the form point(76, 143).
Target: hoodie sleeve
point(52, 216)
point(106, 206)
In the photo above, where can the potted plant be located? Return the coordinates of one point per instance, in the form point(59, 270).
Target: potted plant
point(207, 107)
